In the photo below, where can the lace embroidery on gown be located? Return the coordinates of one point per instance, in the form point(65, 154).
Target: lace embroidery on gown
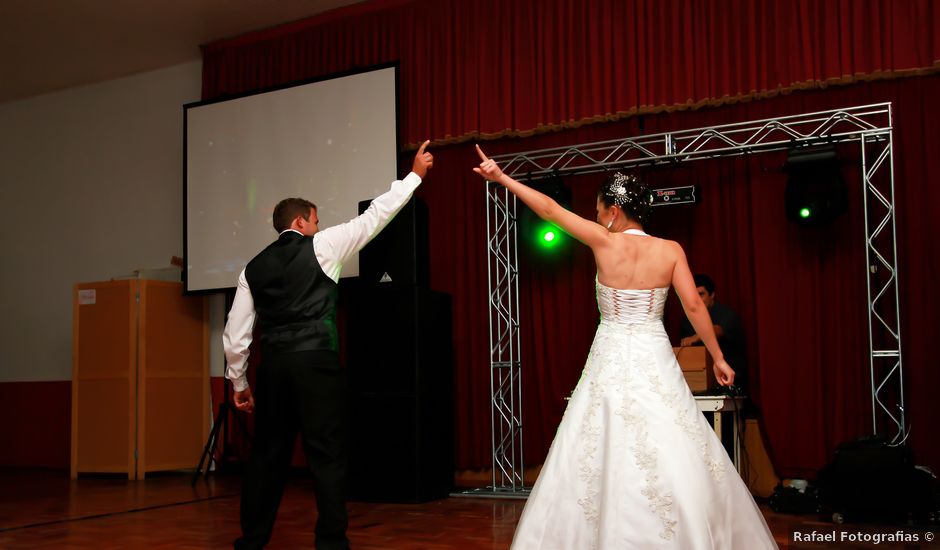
point(629, 312)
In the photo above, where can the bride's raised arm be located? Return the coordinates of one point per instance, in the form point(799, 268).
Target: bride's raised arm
point(587, 231)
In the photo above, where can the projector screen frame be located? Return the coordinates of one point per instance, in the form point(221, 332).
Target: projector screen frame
point(395, 65)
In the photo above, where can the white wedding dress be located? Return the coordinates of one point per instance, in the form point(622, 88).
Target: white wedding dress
point(634, 464)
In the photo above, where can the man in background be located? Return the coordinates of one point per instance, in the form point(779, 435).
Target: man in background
point(728, 329)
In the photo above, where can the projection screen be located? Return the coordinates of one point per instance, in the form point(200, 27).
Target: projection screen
point(333, 142)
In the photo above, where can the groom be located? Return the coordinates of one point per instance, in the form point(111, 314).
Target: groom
point(289, 290)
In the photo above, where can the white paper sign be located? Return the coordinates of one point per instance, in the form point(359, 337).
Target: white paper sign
point(86, 297)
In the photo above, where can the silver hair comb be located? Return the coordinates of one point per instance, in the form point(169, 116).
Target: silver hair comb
point(618, 189)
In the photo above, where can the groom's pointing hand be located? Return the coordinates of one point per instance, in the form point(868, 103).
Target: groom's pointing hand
point(423, 161)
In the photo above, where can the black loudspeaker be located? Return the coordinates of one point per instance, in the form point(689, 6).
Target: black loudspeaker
point(399, 254)
point(400, 368)
point(870, 480)
point(816, 193)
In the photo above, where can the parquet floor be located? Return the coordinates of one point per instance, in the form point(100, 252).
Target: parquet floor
point(44, 509)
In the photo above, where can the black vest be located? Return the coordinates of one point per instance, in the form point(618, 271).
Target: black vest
point(295, 301)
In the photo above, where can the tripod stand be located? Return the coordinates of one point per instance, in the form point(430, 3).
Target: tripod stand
point(208, 454)
point(218, 426)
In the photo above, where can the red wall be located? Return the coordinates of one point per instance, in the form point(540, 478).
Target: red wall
point(35, 424)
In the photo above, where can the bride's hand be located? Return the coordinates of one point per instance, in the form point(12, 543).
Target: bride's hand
point(724, 373)
point(488, 168)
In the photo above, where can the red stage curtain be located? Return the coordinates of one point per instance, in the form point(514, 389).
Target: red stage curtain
point(492, 68)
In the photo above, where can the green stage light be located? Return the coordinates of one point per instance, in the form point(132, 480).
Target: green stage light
point(804, 213)
point(544, 240)
point(548, 237)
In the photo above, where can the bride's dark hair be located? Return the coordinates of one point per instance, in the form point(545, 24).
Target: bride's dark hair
point(630, 194)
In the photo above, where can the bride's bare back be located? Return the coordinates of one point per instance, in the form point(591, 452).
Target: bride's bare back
point(636, 261)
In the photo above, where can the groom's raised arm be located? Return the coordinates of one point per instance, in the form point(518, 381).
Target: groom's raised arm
point(335, 245)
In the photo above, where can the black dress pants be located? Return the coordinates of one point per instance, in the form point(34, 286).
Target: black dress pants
point(303, 391)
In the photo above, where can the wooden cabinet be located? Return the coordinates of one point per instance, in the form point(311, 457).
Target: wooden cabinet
point(140, 377)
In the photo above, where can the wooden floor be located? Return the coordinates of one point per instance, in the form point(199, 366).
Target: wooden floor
point(45, 509)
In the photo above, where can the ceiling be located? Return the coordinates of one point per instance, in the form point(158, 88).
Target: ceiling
point(49, 45)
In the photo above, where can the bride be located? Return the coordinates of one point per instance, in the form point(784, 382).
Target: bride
point(634, 464)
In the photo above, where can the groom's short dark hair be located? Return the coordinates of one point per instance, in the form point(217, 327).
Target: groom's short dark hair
point(288, 209)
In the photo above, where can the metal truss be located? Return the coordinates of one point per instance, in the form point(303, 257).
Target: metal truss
point(742, 138)
point(505, 364)
point(884, 311)
point(869, 125)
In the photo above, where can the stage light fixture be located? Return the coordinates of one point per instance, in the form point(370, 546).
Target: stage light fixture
point(542, 236)
point(816, 193)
